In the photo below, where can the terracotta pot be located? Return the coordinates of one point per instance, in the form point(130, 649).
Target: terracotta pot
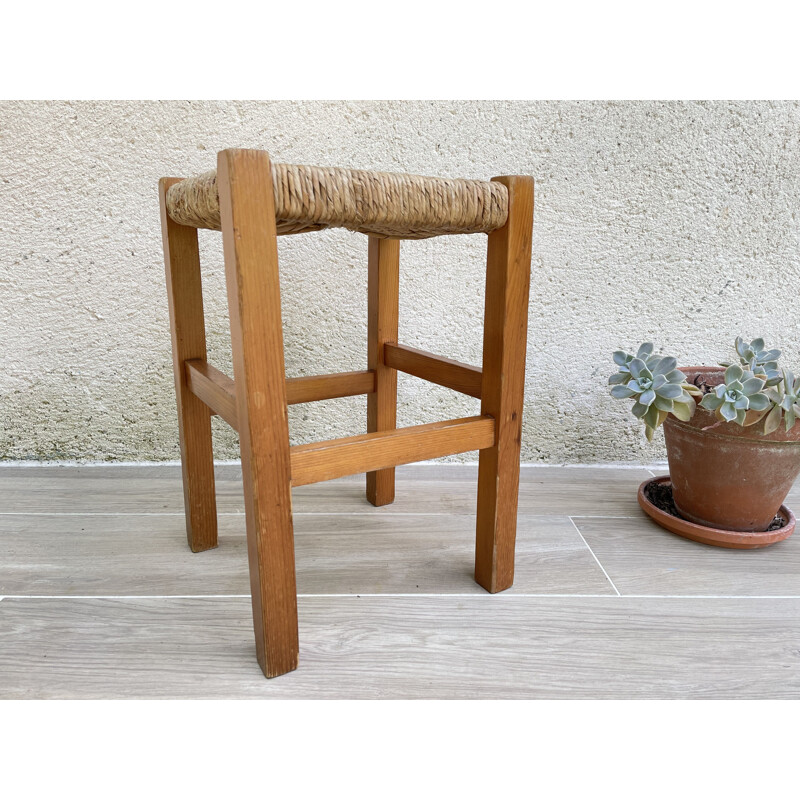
point(726, 476)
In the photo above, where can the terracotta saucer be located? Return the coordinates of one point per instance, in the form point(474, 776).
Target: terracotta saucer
point(715, 536)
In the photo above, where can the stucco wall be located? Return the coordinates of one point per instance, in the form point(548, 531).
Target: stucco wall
point(675, 222)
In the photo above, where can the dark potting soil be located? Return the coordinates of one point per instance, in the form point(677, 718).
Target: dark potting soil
point(660, 495)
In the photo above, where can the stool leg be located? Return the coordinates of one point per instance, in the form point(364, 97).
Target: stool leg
point(251, 268)
point(383, 310)
point(187, 326)
point(504, 343)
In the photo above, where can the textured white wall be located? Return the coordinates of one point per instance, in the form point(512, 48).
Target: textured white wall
point(675, 222)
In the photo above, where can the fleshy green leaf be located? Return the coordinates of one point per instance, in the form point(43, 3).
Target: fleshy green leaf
point(645, 350)
point(728, 411)
point(620, 357)
point(646, 398)
point(670, 391)
point(711, 402)
point(637, 366)
point(752, 385)
point(621, 392)
point(773, 420)
point(683, 411)
point(759, 402)
point(652, 361)
point(663, 404)
point(651, 417)
point(733, 373)
point(667, 364)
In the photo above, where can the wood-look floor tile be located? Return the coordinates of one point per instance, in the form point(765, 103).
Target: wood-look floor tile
point(338, 554)
point(446, 489)
point(642, 558)
point(473, 647)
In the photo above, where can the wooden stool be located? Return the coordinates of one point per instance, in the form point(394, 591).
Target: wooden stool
point(252, 201)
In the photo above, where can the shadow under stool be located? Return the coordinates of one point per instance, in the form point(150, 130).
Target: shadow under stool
point(253, 201)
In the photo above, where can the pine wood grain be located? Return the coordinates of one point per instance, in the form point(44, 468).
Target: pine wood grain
point(218, 391)
point(252, 277)
point(187, 327)
point(442, 371)
point(383, 297)
point(214, 388)
point(323, 461)
point(308, 389)
point(508, 269)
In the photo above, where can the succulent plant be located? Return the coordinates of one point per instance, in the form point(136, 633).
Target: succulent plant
point(754, 389)
point(790, 402)
point(738, 395)
point(786, 400)
point(623, 361)
point(656, 385)
point(758, 361)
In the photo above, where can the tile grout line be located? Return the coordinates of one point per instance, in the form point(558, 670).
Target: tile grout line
point(366, 513)
point(376, 514)
point(594, 556)
point(373, 514)
point(236, 463)
point(459, 595)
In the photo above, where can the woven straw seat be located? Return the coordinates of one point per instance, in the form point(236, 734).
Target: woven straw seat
point(380, 204)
